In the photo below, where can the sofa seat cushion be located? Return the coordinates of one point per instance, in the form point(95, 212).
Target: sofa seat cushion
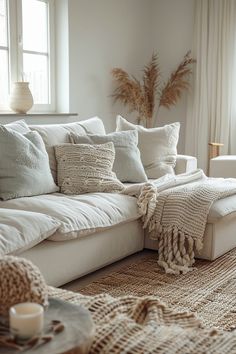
point(21, 230)
point(80, 215)
point(221, 208)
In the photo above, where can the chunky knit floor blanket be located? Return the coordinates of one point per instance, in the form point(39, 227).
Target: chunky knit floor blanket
point(141, 325)
point(175, 209)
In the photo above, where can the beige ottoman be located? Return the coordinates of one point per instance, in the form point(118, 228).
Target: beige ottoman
point(223, 166)
point(220, 233)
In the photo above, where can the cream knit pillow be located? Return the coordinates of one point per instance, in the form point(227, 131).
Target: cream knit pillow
point(86, 168)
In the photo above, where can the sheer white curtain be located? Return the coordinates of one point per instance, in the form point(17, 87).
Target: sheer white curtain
point(211, 114)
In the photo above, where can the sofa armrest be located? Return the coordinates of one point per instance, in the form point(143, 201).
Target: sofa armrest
point(185, 163)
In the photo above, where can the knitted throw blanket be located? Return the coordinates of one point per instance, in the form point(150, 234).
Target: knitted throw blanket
point(139, 325)
point(175, 209)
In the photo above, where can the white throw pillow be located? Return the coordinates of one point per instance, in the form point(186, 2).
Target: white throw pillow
point(158, 146)
point(21, 230)
point(127, 165)
point(84, 168)
point(24, 165)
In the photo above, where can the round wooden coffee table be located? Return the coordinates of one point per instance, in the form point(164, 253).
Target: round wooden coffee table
point(77, 336)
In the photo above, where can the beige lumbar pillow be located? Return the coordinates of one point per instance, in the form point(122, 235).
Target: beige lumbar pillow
point(86, 168)
point(158, 146)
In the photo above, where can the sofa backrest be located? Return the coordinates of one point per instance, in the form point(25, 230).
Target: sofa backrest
point(56, 134)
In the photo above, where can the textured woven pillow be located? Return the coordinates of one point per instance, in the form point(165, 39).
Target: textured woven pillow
point(127, 165)
point(86, 168)
point(24, 165)
point(158, 146)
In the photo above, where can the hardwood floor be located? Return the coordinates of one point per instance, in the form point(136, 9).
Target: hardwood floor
point(87, 279)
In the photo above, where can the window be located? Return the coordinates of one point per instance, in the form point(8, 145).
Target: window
point(4, 53)
point(26, 49)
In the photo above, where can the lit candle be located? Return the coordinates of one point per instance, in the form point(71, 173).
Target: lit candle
point(26, 320)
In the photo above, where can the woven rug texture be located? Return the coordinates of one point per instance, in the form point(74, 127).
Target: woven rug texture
point(209, 291)
point(138, 325)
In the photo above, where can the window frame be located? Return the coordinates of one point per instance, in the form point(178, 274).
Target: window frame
point(15, 51)
point(4, 106)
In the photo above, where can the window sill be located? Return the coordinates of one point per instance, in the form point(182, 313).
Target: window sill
point(38, 114)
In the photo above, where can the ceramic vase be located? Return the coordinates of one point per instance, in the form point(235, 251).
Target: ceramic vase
point(21, 99)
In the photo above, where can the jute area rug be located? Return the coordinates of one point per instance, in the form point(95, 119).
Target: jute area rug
point(209, 291)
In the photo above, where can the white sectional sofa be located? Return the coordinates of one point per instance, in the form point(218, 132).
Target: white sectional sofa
point(64, 261)
point(104, 227)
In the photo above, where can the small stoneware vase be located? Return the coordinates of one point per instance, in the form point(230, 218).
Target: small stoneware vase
point(21, 99)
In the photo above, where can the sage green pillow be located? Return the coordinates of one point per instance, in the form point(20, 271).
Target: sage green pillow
point(24, 165)
point(18, 126)
point(127, 165)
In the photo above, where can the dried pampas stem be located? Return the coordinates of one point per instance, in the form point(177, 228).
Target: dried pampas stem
point(146, 96)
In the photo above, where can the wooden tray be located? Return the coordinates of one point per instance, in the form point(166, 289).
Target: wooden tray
point(77, 336)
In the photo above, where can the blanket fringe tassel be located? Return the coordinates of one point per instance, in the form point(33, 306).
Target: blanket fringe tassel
point(175, 249)
point(147, 202)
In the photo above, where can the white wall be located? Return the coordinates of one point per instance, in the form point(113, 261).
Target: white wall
point(120, 33)
point(172, 28)
point(104, 34)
